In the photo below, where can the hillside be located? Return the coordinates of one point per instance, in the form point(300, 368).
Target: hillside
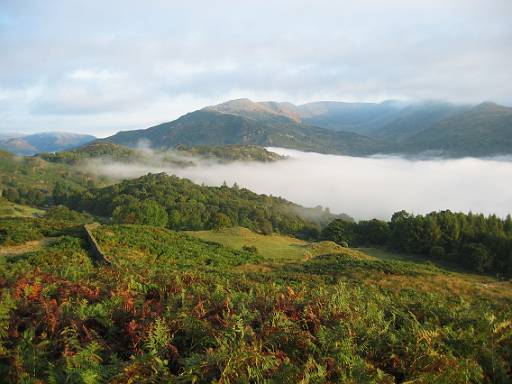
point(416, 118)
point(361, 118)
point(31, 180)
point(193, 207)
point(92, 151)
point(167, 307)
point(228, 153)
point(213, 128)
point(44, 142)
point(356, 129)
point(182, 155)
point(483, 130)
point(275, 247)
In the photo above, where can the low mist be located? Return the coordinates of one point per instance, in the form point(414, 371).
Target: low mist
point(361, 187)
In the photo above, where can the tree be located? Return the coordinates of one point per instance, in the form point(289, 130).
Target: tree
point(508, 224)
point(147, 212)
point(477, 257)
point(339, 231)
point(372, 232)
point(265, 226)
point(404, 233)
point(220, 220)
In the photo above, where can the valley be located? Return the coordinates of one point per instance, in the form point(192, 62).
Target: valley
point(200, 283)
point(267, 192)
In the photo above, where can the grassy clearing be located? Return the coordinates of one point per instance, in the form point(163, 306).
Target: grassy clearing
point(9, 209)
point(278, 248)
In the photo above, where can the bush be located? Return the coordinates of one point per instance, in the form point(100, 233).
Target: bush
point(437, 252)
point(250, 249)
point(220, 220)
point(477, 257)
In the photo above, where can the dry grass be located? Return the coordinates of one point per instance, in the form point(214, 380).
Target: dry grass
point(29, 246)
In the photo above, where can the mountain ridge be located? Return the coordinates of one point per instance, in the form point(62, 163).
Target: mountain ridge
point(355, 129)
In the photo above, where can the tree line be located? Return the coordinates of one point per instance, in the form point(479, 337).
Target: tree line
point(480, 243)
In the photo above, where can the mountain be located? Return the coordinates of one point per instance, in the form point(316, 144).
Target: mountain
point(356, 129)
point(360, 118)
point(264, 111)
point(333, 115)
point(416, 117)
point(44, 142)
point(483, 130)
point(10, 135)
point(245, 122)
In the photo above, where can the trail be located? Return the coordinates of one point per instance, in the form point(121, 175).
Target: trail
point(29, 246)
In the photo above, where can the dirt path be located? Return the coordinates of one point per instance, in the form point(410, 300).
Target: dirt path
point(29, 246)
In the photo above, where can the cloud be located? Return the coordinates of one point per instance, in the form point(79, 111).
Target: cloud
point(361, 187)
point(95, 75)
point(131, 54)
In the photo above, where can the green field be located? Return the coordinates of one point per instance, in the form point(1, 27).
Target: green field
point(276, 248)
point(9, 209)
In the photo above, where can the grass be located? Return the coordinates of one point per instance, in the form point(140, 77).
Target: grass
point(9, 209)
point(444, 277)
point(375, 266)
point(278, 248)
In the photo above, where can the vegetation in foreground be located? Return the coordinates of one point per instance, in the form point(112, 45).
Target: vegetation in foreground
point(171, 308)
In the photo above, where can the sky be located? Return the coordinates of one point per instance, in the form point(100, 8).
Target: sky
point(100, 67)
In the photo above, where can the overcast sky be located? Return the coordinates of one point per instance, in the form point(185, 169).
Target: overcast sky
point(103, 66)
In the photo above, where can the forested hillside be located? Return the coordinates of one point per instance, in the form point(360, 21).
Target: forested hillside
point(180, 204)
point(227, 153)
point(31, 180)
point(107, 286)
point(107, 151)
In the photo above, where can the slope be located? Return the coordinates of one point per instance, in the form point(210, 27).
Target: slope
point(208, 127)
point(484, 130)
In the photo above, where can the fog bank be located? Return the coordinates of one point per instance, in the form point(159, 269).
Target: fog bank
point(361, 187)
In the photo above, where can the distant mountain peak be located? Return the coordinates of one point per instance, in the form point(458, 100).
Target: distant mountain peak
point(489, 105)
point(234, 105)
point(44, 142)
point(256, 110)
